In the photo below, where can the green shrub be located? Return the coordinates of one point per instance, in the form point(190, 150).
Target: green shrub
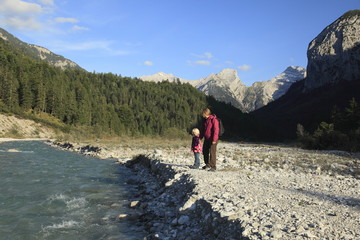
point(175, 133)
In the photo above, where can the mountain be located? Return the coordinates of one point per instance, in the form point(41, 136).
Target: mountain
point(227, 87)
point(334, 55)
point(159, 77)
point(332, 79)
point(38, 53)
point(224, 86)
point(262, 93)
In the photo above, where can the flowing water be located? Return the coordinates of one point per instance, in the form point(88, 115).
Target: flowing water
point(47, 193)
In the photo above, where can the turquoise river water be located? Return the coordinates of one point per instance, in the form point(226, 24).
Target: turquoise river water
point(46, 193)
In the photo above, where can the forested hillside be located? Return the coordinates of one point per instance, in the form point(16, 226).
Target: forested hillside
point(106, 103)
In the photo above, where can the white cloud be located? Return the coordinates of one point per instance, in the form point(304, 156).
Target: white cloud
point(13, 7)
point(23, 23)
point(207, 55)
point(35, 15)
point(21, 15)
point(244, 67)
point(229, 62)
point(102, 47)
point(66, 20)
point(202, 62)
point(79, 28)
point(148, 63)
point(199, 62)
point(47, 2)
point(83, 46)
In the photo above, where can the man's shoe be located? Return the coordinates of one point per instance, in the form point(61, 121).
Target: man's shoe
point(205, 167)
point(194, 167)
point(212, 170)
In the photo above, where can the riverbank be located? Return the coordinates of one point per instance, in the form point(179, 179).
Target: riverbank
point(258, 192)
point(22, 139)
point(13, 128)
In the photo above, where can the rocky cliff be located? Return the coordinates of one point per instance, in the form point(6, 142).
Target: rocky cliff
point(333, 79)
point(334, 55)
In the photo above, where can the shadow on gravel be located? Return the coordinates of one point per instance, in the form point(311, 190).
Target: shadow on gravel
point(341, 200)
point(171, 209)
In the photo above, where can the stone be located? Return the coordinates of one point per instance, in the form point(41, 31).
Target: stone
point(276, 234)
point(134, 204)
point(122, 216)
point(183, 220)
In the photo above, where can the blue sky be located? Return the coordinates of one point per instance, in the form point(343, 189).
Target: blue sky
point(188, 38)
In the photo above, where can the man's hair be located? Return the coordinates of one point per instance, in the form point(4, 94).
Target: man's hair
point(206, 111)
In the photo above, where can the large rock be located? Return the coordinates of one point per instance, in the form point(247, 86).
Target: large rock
point(334, 55)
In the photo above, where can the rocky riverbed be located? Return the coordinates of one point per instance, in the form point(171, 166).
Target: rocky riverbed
point(258, 192)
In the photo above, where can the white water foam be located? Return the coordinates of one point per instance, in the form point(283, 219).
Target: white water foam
point(58, 197)
point(76, 203)
point(63, 225)
point(71, 203)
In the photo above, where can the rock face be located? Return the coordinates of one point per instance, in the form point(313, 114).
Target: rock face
point(37, 52)
point(224, 86)
point(334, 55)
point(262, 93)
point(227, 87)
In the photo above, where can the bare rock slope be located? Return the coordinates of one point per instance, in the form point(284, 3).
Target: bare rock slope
point(334, 55)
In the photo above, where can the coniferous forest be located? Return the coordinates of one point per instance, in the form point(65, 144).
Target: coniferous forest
point(105, 103)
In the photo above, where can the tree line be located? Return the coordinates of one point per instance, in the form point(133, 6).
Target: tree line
point(342, 132)
point(107, 103)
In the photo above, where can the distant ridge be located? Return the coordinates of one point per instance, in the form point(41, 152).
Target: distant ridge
point(38, 53)
point(227, 87)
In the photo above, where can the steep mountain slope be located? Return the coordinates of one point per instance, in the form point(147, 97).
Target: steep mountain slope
point(38, 53)
point(227, 87)
point(332, 79)
point(262, 93)
point(224, 86)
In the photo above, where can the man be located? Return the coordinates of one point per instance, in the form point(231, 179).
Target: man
point(210, 134)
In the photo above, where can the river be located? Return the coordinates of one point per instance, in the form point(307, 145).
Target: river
point(46, 193)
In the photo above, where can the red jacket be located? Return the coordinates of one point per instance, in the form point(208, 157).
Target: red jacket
point(211, 129)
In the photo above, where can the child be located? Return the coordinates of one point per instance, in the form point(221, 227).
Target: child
point(196, 147)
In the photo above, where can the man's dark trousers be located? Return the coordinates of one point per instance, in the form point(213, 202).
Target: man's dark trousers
point(209, 152)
